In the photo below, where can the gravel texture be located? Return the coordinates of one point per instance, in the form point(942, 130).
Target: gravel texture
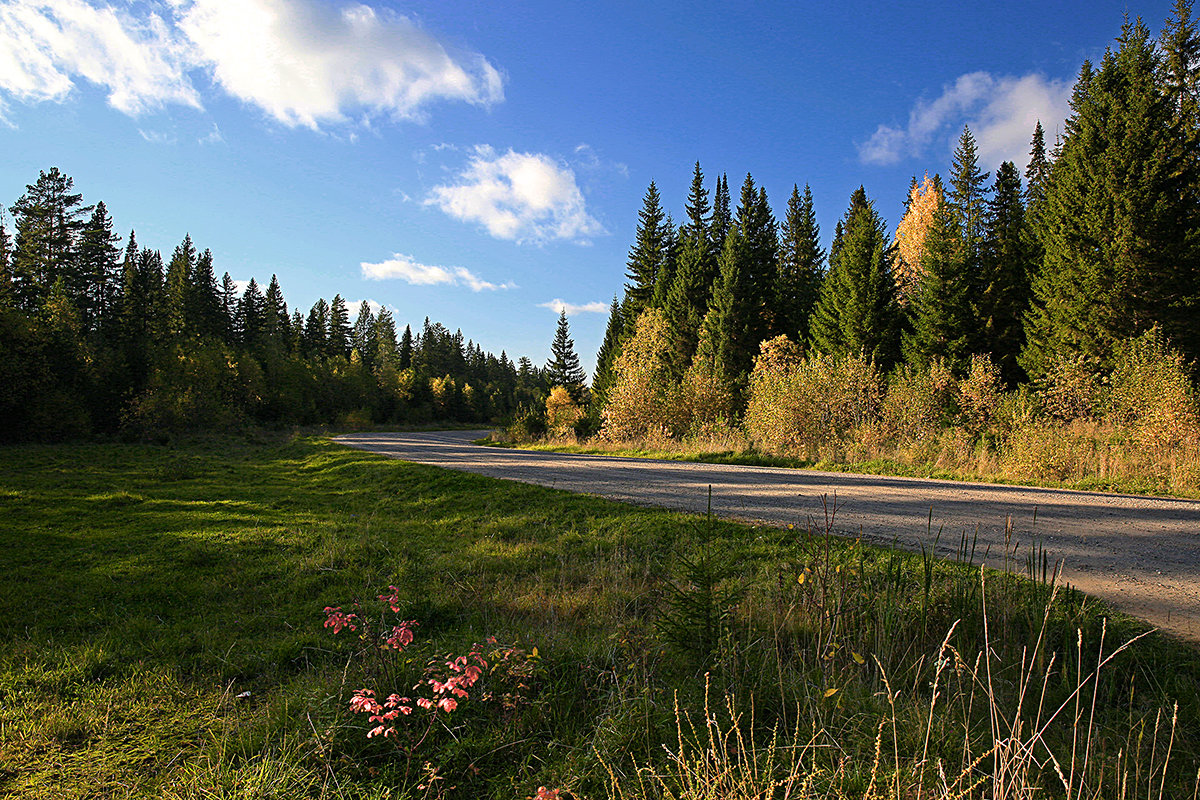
point(1140, 554)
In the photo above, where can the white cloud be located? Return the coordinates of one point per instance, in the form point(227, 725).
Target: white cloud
point(307, 62)
point(1001, 112)
point(559, 306)
point(45, 45)
point(409, 270)
point(524, 197)
point(374, 305)
point(302, 62)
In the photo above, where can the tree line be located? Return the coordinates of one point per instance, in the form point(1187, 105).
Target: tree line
point(100, 339)
point(1099, 244)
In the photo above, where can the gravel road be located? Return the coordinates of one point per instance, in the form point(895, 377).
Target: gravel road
point(1141, 554)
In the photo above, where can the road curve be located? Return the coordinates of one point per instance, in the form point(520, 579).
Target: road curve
point(1141, 554)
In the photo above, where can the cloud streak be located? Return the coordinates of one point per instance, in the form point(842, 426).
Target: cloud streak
point(521, 197)
point(559, 306)
point(409, 270)
point(303, 63)
point(1001, 112)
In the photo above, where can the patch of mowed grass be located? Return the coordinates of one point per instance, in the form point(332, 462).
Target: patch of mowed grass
point(160, 632)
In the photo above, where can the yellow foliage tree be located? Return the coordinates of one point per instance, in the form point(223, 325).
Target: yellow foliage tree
point(641, 398)
point(705, 401)
point(923, 201)
point(561, 412)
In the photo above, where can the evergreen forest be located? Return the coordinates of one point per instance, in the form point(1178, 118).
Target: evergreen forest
point(107, 337)
point(1052, 294)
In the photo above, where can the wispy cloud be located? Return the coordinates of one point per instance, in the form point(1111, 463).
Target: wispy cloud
point(1001, 112)
point(522, 197)
point(559, 306)
point(407, 269)
point(212, 137)
point(303, 63)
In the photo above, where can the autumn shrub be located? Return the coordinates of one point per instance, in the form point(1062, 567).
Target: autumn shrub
point(704, 397)
point(1072, 388)
point(918, 402)
point(1150, 393)
point(806, 403)
point(562, 412)
point(980, 394)
point(643, 398)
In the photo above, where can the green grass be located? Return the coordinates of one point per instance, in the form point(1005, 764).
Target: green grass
point(145, 588)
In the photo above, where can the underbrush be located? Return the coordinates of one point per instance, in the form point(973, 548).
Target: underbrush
point(163, 633)
point(1134, 427)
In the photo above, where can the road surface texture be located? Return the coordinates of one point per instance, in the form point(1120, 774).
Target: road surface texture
point(1141, 554)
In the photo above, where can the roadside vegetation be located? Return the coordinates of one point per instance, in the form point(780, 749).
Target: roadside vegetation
point(1131, 428)
point(175, 622)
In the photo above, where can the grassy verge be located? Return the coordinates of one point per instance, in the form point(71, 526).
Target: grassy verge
point(161, 635)
point(699, 453)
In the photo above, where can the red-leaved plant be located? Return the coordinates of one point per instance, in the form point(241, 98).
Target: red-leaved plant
point(445, 683)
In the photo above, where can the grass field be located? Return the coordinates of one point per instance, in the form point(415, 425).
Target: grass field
point(161, 634)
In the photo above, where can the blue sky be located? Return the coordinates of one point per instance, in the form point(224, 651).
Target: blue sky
point(482, 163)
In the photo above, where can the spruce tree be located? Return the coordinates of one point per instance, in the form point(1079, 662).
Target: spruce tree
point(6, 281)
point(386, 355)
point(316, 329)
point(1037, 172)
point(857, 312)
point(405, 355)
point(1121, 219)
point(722, 215)
point(97, 267)
point(563, 368)
point(801, 265)
point(1180, 45)
point(252, 315)
point(666, 273)
point(362, 335)
point(229, 301)
point(943, 325)
point(207, 300)
point(735, 304)
point(696, 269)
point(1003, 295)
point(968, 199)
point(177, 289)
point(647, 255)
point(338, 342)
point(610, 348)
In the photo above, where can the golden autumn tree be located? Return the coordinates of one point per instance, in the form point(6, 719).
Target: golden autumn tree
point(562, 412)
point(640, 401)
point(922, 204)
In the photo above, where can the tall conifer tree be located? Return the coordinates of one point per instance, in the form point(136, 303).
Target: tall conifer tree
point(857, 312)
point(687, 301)
point(943, 325)
point(338, 343)
point(1122, 217)
point(563, 368)
point(1003, 296)
point(610, 348)
point(647, 255)
point(801, 265)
